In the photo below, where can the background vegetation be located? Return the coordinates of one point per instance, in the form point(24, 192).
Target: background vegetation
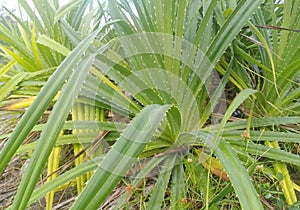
point(170, 104)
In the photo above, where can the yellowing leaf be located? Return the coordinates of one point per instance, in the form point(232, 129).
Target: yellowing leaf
point(23, 103)
point(227, 12)
point(216, 168)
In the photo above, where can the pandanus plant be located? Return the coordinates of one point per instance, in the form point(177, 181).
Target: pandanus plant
point(36, 45)
point(269, 61)
point(153, 64)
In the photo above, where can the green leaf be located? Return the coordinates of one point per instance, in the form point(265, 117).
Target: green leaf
point(275, 154)
point(237, 101)
point(26, 63)
point(159, 191)
point(262, 136)
point(256, 123)
point(66, 8)
point(52, 44)
point(121, 157)
point(33, 16)
point(231, 27)
point(65, 178)
point(35, 51)
point(50, 133)
point(41, 103)
point(177, 188)
point(149, 167)
point(7, 67)
point(237, 173)
point(11, 85)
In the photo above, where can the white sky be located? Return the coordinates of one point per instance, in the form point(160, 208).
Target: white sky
point(13, 4)
point(9, 4)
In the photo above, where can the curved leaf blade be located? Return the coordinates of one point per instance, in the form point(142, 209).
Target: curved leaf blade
point(121, 157)
point(237, 173)
point(65, 178)
point(50, 134)
point(42, 101)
